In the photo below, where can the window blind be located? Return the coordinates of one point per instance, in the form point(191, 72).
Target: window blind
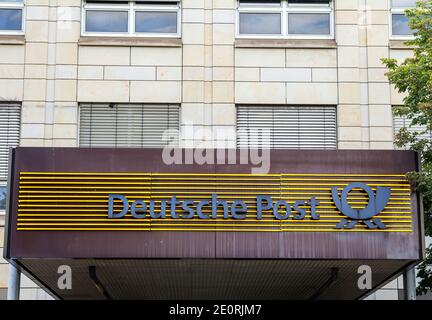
point(403, 122)
point(287, 127)
point(10, 119)
point(127, 125)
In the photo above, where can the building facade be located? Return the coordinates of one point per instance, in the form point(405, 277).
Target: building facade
point(77, 73)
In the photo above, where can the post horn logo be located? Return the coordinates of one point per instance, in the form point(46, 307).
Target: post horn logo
point(376, 203)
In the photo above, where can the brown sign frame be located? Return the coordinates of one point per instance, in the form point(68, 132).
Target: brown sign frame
point(210, 245)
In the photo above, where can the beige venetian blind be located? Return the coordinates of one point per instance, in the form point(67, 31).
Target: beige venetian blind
point(287, 127)
point(10, 119)
point(127, 125)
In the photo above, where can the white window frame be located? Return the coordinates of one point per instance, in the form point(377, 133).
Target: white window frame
point(397, 10)
point(15, 5)
point(284, 9)
point(130, 8)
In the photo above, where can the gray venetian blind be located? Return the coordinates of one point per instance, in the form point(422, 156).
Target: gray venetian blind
point(127, 125)
point(288, 127)
point(10, 119)
point(403, 122)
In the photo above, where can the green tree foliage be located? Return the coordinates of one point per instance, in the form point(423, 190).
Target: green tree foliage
point(414, 78)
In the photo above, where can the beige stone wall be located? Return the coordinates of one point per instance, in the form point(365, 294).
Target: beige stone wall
point(364, 108)
point(208, 73)
point(47, 64)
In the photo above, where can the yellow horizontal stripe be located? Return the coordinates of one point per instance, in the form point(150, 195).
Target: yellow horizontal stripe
point(90, 207)
point(177, 221)
point(324, 214)
point(248, 198)
point(323, 218)
point(150, 196)
point(24, 195)
point(31, 193)
point(221, 227)
point(205, 209)
point(276, 181)
point(351, 201)
point(167, 185)
point(156, 225)
point(161, 192)
point(104, 210)
point(213, 174)
point(120, 206)
point(220, 214)
point(214, 229)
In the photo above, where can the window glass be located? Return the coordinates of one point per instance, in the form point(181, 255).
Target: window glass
point(403, 3)
point(10, 19)
point(309, 23)
point(106, 21)
point(260, 23)
point(156, 22)
point(308, 1)
point(260, 3)
point(400, 25)
point(2, 198)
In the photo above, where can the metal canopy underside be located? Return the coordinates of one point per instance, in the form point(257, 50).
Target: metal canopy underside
point(211, 279)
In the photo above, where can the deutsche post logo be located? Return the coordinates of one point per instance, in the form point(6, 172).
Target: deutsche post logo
point(376, 203)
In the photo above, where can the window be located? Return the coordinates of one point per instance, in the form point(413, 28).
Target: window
point(287, 127)
point(399, 21)
point(403, 122)
point(2, 199)
point(11, 16)
point(127, 125)
point(10, 119)
point(285, 19)
point(3, 294)
point(122, 18)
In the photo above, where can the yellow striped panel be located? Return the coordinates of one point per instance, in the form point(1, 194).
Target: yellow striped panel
point(78, 201)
